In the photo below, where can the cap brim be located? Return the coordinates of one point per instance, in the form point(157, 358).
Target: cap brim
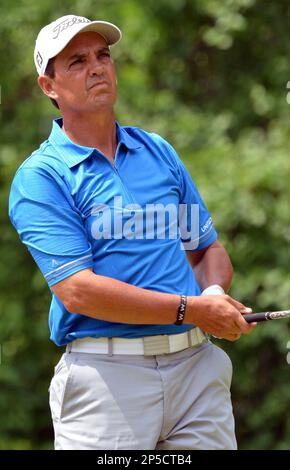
point(111, 33)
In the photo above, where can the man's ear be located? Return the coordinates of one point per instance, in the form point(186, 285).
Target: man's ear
point(46, 84)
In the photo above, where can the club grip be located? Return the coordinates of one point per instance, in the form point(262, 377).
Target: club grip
point(256, 317)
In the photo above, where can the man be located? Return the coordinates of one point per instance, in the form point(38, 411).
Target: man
point(125, 242)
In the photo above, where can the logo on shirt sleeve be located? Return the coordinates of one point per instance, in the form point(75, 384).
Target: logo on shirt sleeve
point(54, 263)
point(207, 225)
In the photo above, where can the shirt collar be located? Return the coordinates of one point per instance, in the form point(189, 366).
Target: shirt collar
point(73, 154)
point(125, 138)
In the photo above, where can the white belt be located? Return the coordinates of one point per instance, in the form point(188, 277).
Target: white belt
point(145, 346)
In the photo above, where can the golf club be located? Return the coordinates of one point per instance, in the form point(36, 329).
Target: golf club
point(264, 316)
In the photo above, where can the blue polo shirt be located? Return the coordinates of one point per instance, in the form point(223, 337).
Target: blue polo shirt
point(130, 220)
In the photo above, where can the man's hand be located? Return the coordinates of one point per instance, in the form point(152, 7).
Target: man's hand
point(220, 316)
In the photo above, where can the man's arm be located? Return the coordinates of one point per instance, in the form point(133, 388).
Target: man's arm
point(112, 300)
point(211, 265)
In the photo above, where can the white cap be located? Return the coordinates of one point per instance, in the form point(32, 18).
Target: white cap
point(53, 38)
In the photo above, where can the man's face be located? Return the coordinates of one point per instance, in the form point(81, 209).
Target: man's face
point(85, 77)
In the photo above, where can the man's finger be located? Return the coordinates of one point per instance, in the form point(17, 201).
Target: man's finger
point(246, 310)
point(240, 322)
point(239, 306)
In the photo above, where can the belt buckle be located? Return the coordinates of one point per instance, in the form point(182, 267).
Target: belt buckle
point(155, 345)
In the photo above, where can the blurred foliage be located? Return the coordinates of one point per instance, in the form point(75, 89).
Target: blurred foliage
point(210, 77)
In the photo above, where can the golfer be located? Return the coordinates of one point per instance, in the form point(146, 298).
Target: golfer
point(138, 279)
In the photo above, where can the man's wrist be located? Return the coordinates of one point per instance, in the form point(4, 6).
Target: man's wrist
point(214, 289)
point(193, 309)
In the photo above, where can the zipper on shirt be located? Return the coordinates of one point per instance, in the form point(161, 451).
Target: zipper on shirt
point(113, 165)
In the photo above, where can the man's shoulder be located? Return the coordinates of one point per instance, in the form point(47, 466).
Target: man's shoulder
point(43, 157)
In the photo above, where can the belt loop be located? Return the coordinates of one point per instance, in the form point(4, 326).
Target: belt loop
point(110, 346)
point(68, 348)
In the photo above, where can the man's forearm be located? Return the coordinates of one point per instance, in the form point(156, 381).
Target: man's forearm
point(116, 301)
point(213, 266)
point(112, 300)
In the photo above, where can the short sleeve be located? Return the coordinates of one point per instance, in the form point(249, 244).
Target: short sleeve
point(42, 210)
point(195, 223)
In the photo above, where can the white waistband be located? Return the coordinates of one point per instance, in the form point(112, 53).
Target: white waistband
point(145, 346)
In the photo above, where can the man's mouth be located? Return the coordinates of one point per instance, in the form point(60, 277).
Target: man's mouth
point(99, 83)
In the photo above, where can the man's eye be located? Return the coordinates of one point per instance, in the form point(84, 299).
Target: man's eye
point(78, 61)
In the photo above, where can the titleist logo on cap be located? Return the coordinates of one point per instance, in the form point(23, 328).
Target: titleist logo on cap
point(63, 25)
point(39, 59)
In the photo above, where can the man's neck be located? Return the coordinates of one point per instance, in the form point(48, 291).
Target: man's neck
point(93, 130)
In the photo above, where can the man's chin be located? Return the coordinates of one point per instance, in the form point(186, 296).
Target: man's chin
point(103, 100)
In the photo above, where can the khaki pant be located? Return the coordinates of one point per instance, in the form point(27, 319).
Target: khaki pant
point(168, 402)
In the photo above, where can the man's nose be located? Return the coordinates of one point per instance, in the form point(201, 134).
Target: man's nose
point(96, 68)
